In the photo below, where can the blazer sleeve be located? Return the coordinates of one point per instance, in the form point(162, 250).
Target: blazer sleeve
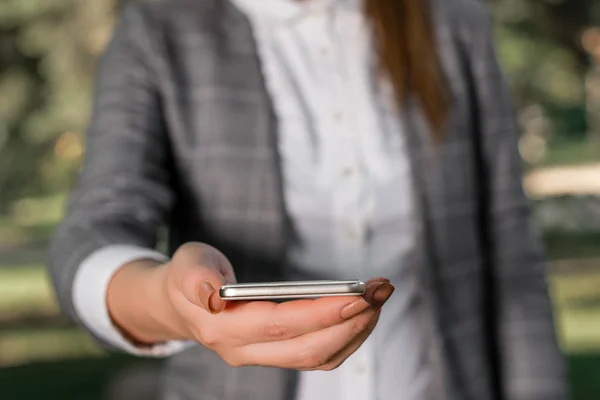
point(123, 194)
point(532, 366)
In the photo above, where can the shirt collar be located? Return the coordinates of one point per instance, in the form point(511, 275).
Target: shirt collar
point(286, 10)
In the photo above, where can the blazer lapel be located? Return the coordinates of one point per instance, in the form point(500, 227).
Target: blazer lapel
point(267, 225)
point(253, 126)
point(424, 158)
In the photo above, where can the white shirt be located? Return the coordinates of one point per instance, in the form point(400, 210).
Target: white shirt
point(347, 189)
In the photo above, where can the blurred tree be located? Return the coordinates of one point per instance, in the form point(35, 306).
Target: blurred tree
point(540, 46)
point(48, 49)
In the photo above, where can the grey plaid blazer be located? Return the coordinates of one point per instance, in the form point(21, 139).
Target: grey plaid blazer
point(183, 135)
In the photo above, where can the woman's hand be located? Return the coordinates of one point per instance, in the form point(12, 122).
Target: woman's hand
point(303, 334)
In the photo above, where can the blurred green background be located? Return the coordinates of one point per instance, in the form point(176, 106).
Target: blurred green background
point(48, 51)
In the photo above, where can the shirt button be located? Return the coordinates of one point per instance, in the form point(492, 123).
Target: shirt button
point(361, 368)
point(338, 116)
point(356, 232)
point(349, 171)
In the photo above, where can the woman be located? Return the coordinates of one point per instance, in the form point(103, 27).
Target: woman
point(285, 140)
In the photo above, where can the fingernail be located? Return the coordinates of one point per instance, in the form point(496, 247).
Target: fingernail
point(382, 294)
point(372, 286)
point(207, 290)
point(214, 306)
point(355, 308)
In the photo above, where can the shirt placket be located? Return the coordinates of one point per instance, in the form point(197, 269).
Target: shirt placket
point(346, 173)
point(349, 197)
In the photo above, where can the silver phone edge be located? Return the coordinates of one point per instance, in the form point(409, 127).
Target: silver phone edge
point(257, 292)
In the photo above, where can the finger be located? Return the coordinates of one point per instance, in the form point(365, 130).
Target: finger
point(339, 358)
point(378, 292)
point(311, 351)
point(260, 322)
point(199, 270)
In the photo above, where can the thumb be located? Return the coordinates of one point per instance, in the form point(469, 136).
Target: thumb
point(199, 271)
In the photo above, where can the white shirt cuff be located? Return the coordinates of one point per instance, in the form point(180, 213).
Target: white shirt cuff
point(89, 298)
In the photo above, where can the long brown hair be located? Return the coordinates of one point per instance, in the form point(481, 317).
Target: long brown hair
point(408, 54)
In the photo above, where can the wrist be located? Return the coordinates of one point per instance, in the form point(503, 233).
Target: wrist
point(139, 305)
point(160, 307)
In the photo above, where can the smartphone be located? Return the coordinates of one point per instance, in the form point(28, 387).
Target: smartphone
point(291, 290)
